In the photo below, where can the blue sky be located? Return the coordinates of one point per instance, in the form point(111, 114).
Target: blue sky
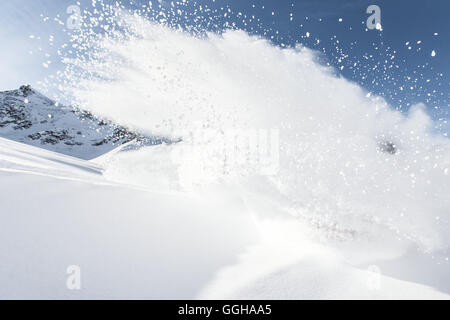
point(395, 63)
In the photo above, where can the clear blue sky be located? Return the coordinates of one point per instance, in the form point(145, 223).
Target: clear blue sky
point(382, 62)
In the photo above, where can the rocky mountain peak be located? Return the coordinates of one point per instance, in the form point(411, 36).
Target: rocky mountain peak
point(29, 117)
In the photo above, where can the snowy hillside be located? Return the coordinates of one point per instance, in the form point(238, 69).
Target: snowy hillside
point(58, 211)
point(30, 117)
point(129, 242)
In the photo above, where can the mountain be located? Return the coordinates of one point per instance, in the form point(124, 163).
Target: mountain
point(29, 117)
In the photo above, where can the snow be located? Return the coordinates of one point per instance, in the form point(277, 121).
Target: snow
point(350, 211)
point(135, 242)
point(333, 169)
point(19, 158)
point(57, 211)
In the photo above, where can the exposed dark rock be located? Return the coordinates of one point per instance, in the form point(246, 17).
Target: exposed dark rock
point(388, 147)
point(26, 90)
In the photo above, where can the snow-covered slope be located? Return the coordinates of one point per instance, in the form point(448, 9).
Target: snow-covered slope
point(56, 211)
point(21, 158)
point(30, 117)
point(129, 242)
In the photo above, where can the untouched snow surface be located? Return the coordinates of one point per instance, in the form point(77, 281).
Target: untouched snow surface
point(134, 242)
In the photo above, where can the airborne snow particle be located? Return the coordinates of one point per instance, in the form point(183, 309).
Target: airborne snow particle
point(433, 53)
point(388, 147)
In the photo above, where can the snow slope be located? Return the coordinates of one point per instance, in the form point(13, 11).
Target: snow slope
point(131, 242)
point(20, 158)
point(57, 211)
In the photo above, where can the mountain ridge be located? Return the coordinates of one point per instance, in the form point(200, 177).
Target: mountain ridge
point(30, 117)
